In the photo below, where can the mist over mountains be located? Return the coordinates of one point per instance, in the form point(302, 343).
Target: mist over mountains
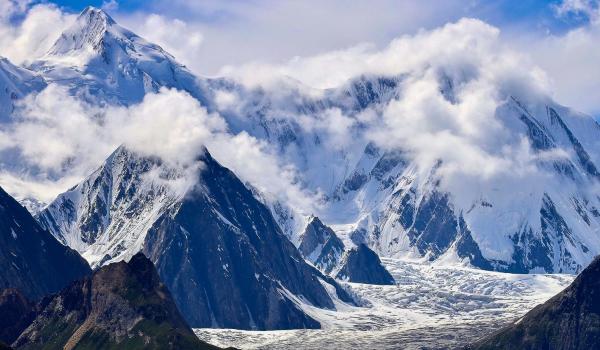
point(261, 199)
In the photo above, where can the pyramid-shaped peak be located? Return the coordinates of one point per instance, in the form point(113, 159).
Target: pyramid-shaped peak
point(92, 14)
point(88, 32)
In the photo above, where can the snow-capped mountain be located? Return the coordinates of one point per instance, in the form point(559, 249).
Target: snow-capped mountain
point(32, 260)
point(103, 62)
point(382, 198)
point(15, 83)
point(353, 263)
point(218, 249)
point(362, 265)
point(369, 194)
point(517, 229)
point(320, 245)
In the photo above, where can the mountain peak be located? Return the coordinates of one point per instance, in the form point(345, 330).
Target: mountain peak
point(86, 33)
point(92, 14)
point(122, 305)
point(112, 63)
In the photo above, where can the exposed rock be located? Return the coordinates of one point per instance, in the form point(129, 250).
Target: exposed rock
point(17, 313)
point(32, 260)
point(216, 247)
point(362, 265)
point(121, 306)
point(570, 320)
point(320, 245)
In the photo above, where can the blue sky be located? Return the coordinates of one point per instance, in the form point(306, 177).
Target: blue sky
point(534, 14)
point(272, 30)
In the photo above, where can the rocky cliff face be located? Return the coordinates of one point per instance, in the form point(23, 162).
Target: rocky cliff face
point(570, 320)
point(320, 245)
point(121, 306)
point(362, 265)
point(17, 314)
point(32, 260)
point(216, 247)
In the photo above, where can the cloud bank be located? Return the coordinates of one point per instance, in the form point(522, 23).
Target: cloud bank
point(26, 31)
point(460, 128)
point(78, 137)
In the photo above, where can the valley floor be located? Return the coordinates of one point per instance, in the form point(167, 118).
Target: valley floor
point(430, 307)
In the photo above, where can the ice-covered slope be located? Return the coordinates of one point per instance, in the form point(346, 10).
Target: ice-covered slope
point(430, 307)
point(369, 193)
point(102, 62)
point(514, 226)
point(381, 197)
point(216, 247)
point(15, 83)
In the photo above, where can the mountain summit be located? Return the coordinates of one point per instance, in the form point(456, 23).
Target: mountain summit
point(216, 247)
point(89, 33)
point(97, 57)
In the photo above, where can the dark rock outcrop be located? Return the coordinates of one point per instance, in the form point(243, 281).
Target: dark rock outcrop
point(320, 245)
point(17, 312)
point(227, 262)
point(362, 265)
point(215, 246)
point(32, 260)
point(570, 320)
point(121, 306)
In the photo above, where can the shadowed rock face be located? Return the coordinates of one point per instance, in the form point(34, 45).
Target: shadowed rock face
point(570, 320)
point(227, 262)
point(121, 306)
point(215, 246)
point(32, 260)
point(320, 245)
point(17, 313)
point(362, 265)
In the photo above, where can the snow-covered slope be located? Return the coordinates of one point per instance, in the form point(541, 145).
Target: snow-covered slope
point(320, 245)
point(514, 226)
point(430, 307)
point(215, 246)
point(368, 192)
point(15, 83)
point(106, 217)
point(103, 62)
point(383, 198)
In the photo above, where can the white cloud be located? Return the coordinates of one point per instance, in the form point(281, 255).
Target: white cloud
point(110, 5)
point(571, 59)
point(587, 8)
point(182, 40)
point(78, 137)
point(464, 131)
point(236, 32)
point(171, 125)
point(25, 39)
